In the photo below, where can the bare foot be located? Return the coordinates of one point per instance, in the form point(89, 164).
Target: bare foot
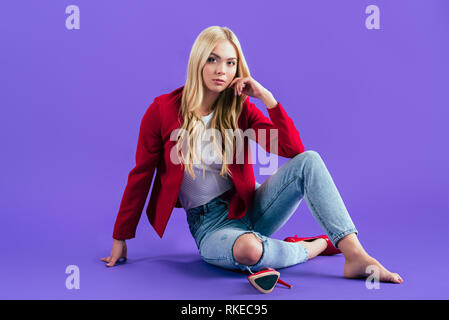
point(357, 268)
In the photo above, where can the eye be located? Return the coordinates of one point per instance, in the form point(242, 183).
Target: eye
point(233, 63)
point(209, 60)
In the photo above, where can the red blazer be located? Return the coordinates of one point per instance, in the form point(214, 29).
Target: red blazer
point(153, 151)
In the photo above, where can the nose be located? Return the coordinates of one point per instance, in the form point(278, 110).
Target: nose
point(220, 69)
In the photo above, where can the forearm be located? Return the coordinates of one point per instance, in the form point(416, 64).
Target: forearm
point(288, 139)
point(268, 99)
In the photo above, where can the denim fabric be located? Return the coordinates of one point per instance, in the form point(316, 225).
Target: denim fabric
point(275, 200)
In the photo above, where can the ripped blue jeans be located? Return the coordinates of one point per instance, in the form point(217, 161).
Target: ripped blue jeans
point(303, 176)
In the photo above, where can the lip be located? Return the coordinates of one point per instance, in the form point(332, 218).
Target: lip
point(218, 81)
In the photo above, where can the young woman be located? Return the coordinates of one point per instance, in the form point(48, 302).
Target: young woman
point(230, 216)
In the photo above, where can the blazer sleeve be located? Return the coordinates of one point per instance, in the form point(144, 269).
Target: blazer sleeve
point(287, 139)
point(149, 148)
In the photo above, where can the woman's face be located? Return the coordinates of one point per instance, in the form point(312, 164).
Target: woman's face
point(221, 65)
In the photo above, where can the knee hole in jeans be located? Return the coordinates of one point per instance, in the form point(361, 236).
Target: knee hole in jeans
point(247, 249)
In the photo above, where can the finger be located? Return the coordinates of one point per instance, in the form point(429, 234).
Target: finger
point(237, 88)
point(395, 278)
point(243, 81)
point(234, 81)
point(242, 85)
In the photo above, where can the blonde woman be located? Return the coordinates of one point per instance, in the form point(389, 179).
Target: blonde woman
point(230, 216)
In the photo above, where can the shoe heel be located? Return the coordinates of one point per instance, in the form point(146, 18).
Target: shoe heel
point(284, 283)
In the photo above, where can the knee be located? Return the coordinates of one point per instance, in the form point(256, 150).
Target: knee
point(309, 157)
point(247, 249)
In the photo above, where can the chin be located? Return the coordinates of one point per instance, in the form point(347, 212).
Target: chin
point(216, 89)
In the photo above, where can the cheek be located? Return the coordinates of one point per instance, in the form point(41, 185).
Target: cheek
point(232, 73)
point(206, 72)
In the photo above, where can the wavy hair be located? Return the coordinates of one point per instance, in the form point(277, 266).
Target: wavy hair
point(227, 106)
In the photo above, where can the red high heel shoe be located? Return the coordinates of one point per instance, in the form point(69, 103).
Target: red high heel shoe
point(330, 250)
point(266, 279)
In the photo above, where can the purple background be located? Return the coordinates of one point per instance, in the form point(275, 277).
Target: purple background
point(373, 103)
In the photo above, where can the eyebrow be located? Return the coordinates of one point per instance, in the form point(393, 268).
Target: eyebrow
point(220, 57)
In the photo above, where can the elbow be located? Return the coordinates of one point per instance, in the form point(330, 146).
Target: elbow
point(297, 148)
point(292, 151)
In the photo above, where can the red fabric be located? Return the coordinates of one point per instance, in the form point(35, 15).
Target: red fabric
point(330, 250)
point(153, 152)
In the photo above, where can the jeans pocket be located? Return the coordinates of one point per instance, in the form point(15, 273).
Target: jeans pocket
point(194, 220)
point(223, 202)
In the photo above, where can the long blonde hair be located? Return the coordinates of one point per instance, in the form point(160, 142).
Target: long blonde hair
point(228, 107)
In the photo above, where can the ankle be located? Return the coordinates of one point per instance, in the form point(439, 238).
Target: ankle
point(351, 247)
point(356, 255)
point(322, 242)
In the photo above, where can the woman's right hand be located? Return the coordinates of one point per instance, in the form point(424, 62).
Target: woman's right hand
point(118, 251)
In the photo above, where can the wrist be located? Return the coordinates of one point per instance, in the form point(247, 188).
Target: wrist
point(268, 99)
point(264, 95)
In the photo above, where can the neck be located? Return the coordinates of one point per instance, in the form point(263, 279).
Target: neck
point(208, 101)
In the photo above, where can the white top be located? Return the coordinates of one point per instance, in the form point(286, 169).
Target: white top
point(198, 191)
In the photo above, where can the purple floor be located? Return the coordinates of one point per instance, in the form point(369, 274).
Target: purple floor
point(372, 102)
point(34, 266)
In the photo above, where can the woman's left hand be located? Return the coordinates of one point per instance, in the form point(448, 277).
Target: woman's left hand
point(247, 86)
